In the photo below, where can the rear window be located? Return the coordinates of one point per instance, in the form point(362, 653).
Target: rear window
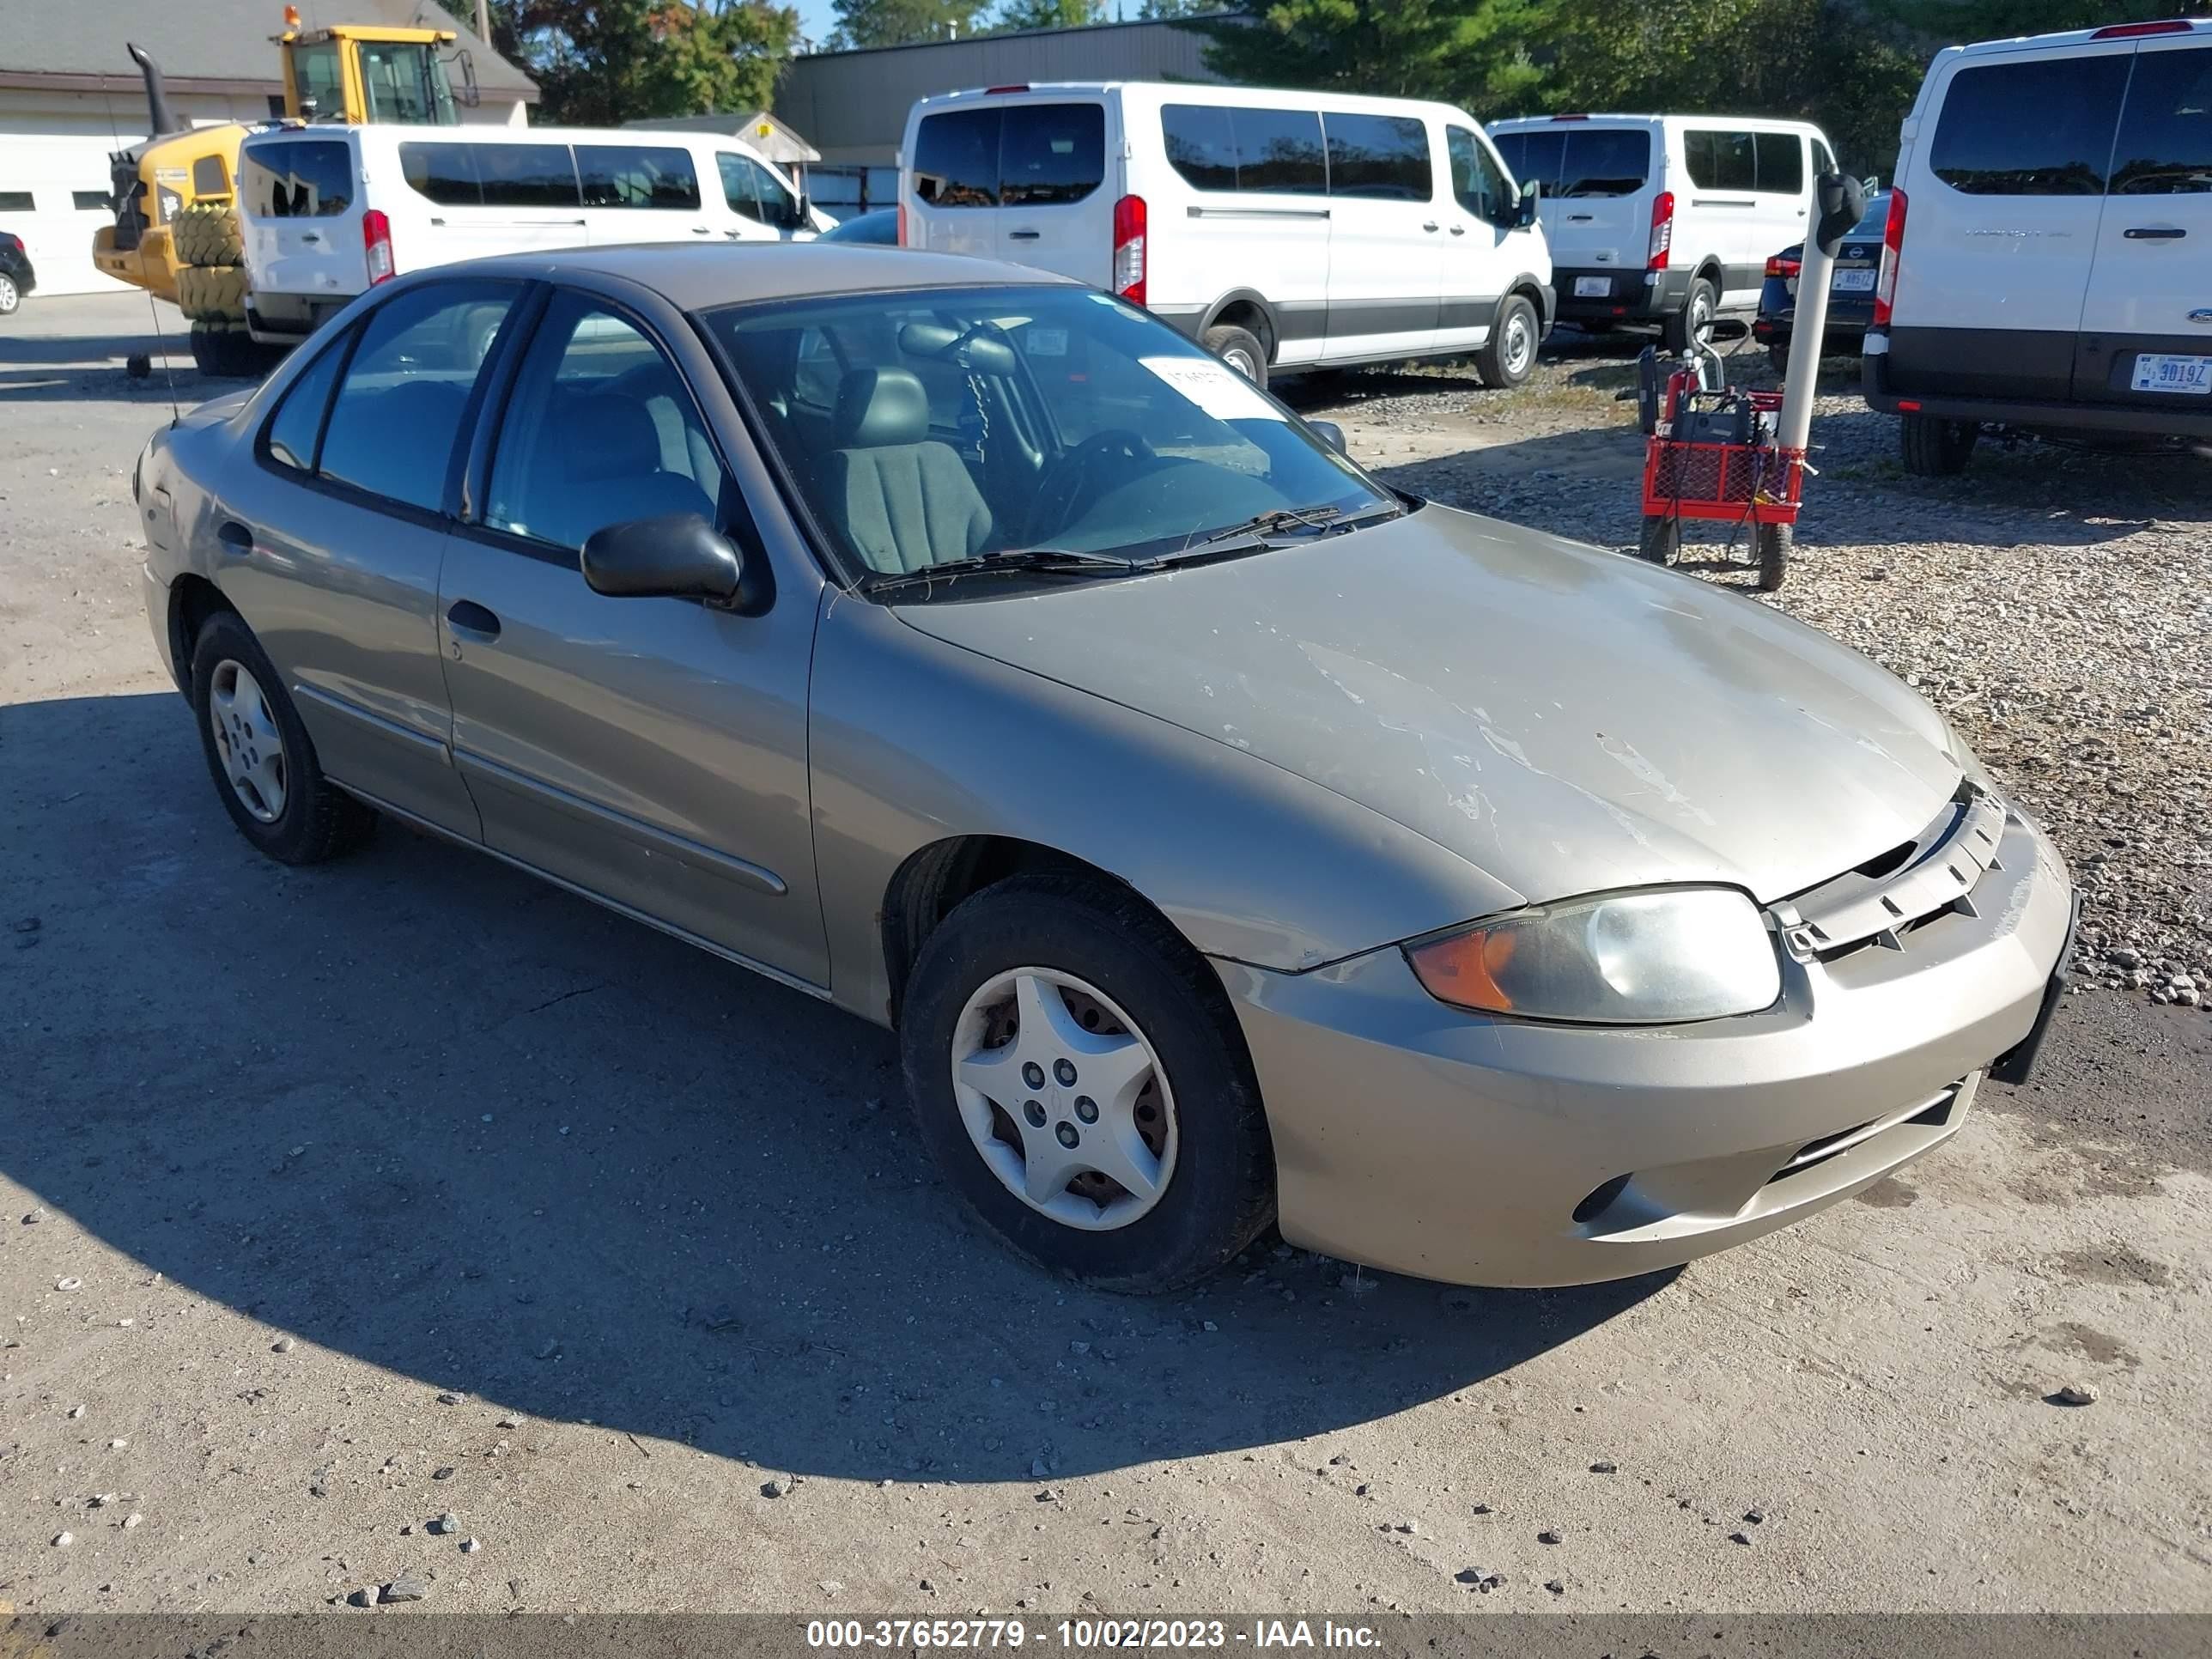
point(1379, 155)
point(2165, 137)
point(297, 178)
point(1217, 148)
point(1051, 152)
point(956, 159)
point(2042, 128)
point(636, 176)
point(1580, 160)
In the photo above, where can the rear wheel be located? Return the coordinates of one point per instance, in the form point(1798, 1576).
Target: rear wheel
point(1662, 540)
point(1694, 324)
point(1507, 358)
point(1936, 448)
point(1079, 1079)
point(10, 295)
point(1774, 544)
point(229, 353)
point(1240, 349)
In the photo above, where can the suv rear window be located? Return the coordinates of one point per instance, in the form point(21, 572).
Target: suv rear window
point(2041, 128)
point(1218, 146)
point(298, 179)
point(2166, 138)
point(1580, 160)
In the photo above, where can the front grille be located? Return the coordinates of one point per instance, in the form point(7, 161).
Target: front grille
point(1934, 1113)
point(1880, 903)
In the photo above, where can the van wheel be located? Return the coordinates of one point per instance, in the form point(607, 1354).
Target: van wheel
point(1662, 540)
point(1240, 349)
point(1694, 324)
point(1933, 448)
point(1774, 544)
point(231, 354)
point(1508, 355)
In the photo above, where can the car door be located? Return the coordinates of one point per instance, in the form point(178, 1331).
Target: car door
point(2146, 334)
point(1480, 256)
point(332, 543)
point(1386, 245)
point(1056, 212)
point(953, 204)
point(650, 752)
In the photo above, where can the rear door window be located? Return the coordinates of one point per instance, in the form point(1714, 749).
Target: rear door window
point(1781, 158)
point(1603, 161)
point(2166, 135)
point(2040, 128)
point(1051, 152)
point(1216, 147)
point(1379, 156)
point(527, 175)
point(446, 173)
point(956, 159)
point(1718, 159)
point(1534, 156)
point(302, 178)
point(636, 176)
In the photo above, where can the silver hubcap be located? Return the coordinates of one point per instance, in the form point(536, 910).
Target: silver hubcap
point(7, 293)
point(247, 738)
point(1701, 318)
point(1518, 346)
point(1064, 1099)
point(1242, 363)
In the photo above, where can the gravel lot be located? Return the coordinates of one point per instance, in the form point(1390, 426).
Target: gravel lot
point(336, 1201)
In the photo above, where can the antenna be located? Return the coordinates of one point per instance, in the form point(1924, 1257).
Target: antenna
point(154, 311)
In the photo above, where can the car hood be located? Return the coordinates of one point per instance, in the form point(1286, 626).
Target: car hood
point(1569, 719)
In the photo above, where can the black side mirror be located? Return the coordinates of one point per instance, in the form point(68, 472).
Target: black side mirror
point(680, 556)
point(1330, 434)
point(1531, 194)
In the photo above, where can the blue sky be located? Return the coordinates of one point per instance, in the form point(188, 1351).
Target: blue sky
point(816, 19)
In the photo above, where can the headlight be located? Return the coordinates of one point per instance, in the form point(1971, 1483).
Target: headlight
point(1655, 957)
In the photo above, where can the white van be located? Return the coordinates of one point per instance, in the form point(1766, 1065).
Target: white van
point(325, 211)
point(1666, 219)
point(1282, 230)
point(2047, 263)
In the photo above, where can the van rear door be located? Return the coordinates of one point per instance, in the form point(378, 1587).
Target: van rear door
point(1056, 201)
point(300, 212)
point(950, 181)
point(1598, 179)
point(2146, 336)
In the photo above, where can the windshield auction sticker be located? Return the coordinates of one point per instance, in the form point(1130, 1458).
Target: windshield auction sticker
point(1215, 387)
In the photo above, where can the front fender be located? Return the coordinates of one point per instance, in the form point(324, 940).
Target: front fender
point(913, 739)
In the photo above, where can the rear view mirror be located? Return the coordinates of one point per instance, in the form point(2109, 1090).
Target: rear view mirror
point(680, 556)
point(970, 350)
point(1531, 193)
point(1330, 434)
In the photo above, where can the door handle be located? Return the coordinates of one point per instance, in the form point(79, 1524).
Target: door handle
point(701, 230)
point(2203, 316)
point(467, 616)
point(235, 538)
point(1021, 235)
point(1429, 224)
point(1459, 230)
point(2154, 233)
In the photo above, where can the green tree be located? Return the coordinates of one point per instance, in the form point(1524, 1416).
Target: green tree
point(1047, 13)
point(600, 62)
point(1477, 53)
point(1168, 9)
point(897, 22)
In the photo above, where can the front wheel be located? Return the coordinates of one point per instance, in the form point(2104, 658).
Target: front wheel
point(1078, 1077)
point(1240, 349)
point(1508, 356)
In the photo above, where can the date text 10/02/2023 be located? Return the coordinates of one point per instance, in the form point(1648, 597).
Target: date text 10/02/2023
point(1083, 1634)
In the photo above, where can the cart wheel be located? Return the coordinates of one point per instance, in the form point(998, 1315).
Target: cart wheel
point(1774, 541)
point(1662, 542)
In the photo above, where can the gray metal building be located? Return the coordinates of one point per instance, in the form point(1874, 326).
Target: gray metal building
point(852, 106)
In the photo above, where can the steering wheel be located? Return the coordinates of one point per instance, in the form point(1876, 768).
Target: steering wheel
point(1063, 484)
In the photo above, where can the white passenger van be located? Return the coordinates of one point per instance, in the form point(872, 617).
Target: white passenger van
point(1666, 219)
point(1282, 230)
point(2047, 262)
point(325, 211)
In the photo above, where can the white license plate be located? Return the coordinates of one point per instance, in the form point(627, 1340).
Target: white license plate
point(1593, 288)
point(1853, 282)
point(2158, 373)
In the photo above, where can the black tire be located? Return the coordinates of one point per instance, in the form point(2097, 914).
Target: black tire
point(1701, 308)
point(1933, 448)
point(1508, 357)
point(232, 354)
point(318, 820)
point(1774, 544)
point(1240, 349)
point(1220, 1193)
point(10, 295)
point(1662, 540)
point(1778, 356)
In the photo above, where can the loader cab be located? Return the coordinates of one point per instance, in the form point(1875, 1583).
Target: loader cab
point(388, 77)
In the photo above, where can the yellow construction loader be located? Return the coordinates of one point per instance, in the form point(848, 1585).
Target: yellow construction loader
point(176, 229)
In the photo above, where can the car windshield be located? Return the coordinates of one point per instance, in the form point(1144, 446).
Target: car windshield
point(929, 427)
point(1875, 221)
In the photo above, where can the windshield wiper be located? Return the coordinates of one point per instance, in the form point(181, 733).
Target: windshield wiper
point(1265, 529)
point(1054, 561)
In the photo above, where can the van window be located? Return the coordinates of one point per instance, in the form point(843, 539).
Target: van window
point(2165, 137)
point(1580, 160)
point(636, 176)
point(87, 200)
point(446, 173)
point(1051, 152)
point(1477, 184)
point(752, 190)
point(527, 175)
point(1720, 161)
point(1824, 159)
point(2042, 128)
point(304, 179)
point(1781, 157)
point(956, 159)
point(1216, 147)
point(1379, 155)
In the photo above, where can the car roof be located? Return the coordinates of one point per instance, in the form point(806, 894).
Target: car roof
point(2162, 29)
point(696, 277)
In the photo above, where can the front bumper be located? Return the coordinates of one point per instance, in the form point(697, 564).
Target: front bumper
point(1630, 297)
point(1423, 1140)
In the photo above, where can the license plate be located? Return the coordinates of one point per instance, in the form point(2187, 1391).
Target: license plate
point(1853, 282)
point(1593, 288)
point(2155, 372)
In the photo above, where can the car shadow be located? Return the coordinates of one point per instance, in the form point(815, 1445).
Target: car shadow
point(426, 1111)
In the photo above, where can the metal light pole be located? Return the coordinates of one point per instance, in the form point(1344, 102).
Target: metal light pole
point(1839, 202)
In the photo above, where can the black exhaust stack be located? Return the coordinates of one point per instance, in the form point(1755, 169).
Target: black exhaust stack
point(157, 100)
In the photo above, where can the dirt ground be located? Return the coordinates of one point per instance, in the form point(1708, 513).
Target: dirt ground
point(334, 1202)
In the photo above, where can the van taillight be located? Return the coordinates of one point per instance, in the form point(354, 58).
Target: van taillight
point(1663, 230)
point(376, 243)
point(902, 221)
point(1893, 249)
point(1130, 249)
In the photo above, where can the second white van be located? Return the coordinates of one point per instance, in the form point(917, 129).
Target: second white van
point(1666, 219)
point(326, 211)
point(1285, 230)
